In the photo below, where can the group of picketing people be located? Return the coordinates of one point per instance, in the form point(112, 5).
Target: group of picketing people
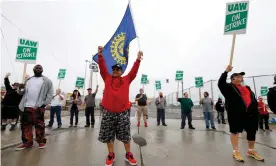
point(243, 110)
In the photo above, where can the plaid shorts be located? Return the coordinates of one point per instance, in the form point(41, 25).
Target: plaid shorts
point(115, 125)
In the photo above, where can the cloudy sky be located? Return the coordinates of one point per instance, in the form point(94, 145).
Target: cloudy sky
point(174, 35)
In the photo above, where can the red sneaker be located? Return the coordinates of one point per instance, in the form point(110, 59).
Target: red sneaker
point(130, 159)
point(41, 146)
point(138, 124)
point(146, 124)
point(22, 146)
point(110, 159)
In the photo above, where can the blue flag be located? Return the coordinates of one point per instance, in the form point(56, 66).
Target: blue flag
point(116, 50)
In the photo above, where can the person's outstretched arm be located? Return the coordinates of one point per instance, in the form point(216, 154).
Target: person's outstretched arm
point(134, 70)
point(222, 84)
point(7, 82)
point(102, 65)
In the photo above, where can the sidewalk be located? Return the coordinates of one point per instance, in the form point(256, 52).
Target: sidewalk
point(11, 139)
point(166, 146)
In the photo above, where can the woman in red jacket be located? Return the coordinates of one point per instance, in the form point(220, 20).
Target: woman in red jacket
point(115, 119)
point(264, 114)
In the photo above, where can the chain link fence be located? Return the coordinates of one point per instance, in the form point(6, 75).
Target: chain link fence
point(173, 107)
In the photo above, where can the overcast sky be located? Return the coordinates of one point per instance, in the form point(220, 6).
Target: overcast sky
point(174, 35)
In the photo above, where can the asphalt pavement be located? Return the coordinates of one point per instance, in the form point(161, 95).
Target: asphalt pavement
point(166, 146)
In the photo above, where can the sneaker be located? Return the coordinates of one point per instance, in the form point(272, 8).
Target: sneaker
point(87, 125)
point(41, 145)
point(207, 128)
point(237, 156)
point(182, 127)
point(223, 123)
point(12, 127)
point(76, 125)
point(92, 126)
point(213, 128)
point(70, 126)
point(268, 129)
point(22, 146)
point(158, 124)
point(146, 124)
point(164, 124)
point(254, 155)
point(192, 128)
point(138, 124)
point(59, 126)
point(110, 159)
point(130, 159)
point(49, 126)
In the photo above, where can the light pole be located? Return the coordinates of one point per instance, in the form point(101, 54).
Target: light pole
point(86, 61)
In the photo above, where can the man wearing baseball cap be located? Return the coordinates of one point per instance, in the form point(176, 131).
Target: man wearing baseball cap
point(242, 112)
point(115, 120)
point(271, 97)
point(90, 105)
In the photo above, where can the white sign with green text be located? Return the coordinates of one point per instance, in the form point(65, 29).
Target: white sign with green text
point(26, 51)
point(236, 17)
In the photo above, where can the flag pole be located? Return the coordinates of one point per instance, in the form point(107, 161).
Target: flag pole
point(138, 39)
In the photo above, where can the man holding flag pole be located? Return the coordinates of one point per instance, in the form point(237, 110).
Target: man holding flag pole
point(113, 61)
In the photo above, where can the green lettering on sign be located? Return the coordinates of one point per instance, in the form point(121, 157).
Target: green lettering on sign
point(264, 90)
point(179, 76)
point(26, 51)
point(61, 73)
point(79, 82)
point(236, 17)
point(199, 82)
point(158, 85)
point(144, 79)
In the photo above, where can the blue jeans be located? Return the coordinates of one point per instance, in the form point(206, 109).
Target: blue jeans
point(220, 117)
point(55, 110)
point(209, 117)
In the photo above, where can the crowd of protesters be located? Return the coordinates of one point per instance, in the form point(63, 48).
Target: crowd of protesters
point(27, 102)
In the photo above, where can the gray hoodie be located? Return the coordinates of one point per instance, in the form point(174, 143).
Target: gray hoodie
point(207, 104)
point(160, 102)
point(45, 95)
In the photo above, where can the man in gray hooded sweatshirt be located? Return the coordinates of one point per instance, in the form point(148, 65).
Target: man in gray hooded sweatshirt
point(161, 103)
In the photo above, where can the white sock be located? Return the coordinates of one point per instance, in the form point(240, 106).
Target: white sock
point(13, 123)
point(250, 150)
point(235, 151)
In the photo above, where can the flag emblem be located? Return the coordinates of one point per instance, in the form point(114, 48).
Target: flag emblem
point(117, 48)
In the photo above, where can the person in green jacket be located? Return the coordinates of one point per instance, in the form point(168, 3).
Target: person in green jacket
point(186, 110)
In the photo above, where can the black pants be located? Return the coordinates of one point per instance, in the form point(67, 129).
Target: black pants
point(264, 120)
point(129, 112)
point(161, 115)
point(74, 112)
point(89, 111)
point(183, 117)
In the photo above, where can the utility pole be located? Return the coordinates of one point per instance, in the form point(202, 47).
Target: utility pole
point(86, 61)
point(182, 89)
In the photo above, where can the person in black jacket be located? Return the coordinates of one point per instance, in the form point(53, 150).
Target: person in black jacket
point(10, 104)
point(220, 109)
point(271, 97)
point(242, 111)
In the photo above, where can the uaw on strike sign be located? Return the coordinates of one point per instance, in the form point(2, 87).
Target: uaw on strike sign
point(26, 51)
point(236, 17)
